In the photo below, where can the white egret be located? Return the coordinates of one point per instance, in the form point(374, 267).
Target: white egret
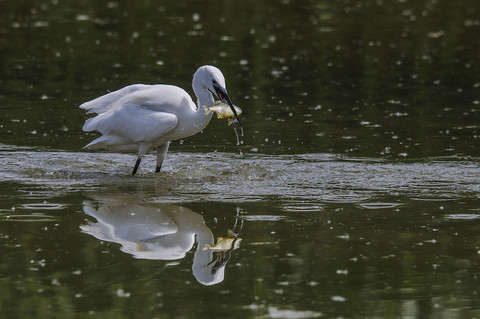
point(139, 117)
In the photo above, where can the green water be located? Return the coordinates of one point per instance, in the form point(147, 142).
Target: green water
point(355, 192)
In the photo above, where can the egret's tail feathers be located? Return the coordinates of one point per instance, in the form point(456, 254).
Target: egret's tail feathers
point(114, 143)
point(87, 127)
point(96, 143)
point(97, 123)
point(105, 102)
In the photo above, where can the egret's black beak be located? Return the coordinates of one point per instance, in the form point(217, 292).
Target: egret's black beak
point(223, 96)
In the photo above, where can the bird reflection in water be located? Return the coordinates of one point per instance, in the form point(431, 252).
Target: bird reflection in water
point(163, 232)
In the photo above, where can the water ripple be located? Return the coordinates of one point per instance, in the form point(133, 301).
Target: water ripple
point(314, 178)
point(462, 216)
point(27, 218)
point(379, 205)
point(307, 207)
point(268, 218)
point(42, 206)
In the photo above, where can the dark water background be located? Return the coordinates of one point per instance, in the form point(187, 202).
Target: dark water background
point(356, 187)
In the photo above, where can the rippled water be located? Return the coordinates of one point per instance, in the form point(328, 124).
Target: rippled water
point(226, 177)
point(355, 225)
point(315, 232)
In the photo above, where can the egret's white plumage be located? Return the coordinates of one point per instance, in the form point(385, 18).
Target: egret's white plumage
point(139, 117)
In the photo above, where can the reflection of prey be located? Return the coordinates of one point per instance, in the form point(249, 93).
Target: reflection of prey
point(163, 232)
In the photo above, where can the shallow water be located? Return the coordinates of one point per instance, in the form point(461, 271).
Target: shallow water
point(225, 177)
point(361, 235)
point(355, 191)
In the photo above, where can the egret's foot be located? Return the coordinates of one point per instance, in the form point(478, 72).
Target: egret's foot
point(158, 168)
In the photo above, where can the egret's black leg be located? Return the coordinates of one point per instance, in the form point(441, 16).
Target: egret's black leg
point(135, 168)
point(161, 154)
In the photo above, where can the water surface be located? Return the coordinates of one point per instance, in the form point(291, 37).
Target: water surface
point(361, 234)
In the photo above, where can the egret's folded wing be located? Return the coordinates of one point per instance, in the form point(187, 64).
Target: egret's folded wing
point(106, 102)
point(134, 122)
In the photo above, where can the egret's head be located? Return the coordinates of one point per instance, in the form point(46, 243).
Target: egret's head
point(213, 80)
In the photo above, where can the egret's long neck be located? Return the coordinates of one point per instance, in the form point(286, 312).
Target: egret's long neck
point(204, 97)
point(198, 120)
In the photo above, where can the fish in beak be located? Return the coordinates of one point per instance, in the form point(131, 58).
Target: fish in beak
point(222, 95)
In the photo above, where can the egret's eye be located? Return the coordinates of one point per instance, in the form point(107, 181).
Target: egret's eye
point(214, 81)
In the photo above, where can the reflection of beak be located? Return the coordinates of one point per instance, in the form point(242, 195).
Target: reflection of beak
point(223, 96)
point(222, 258)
